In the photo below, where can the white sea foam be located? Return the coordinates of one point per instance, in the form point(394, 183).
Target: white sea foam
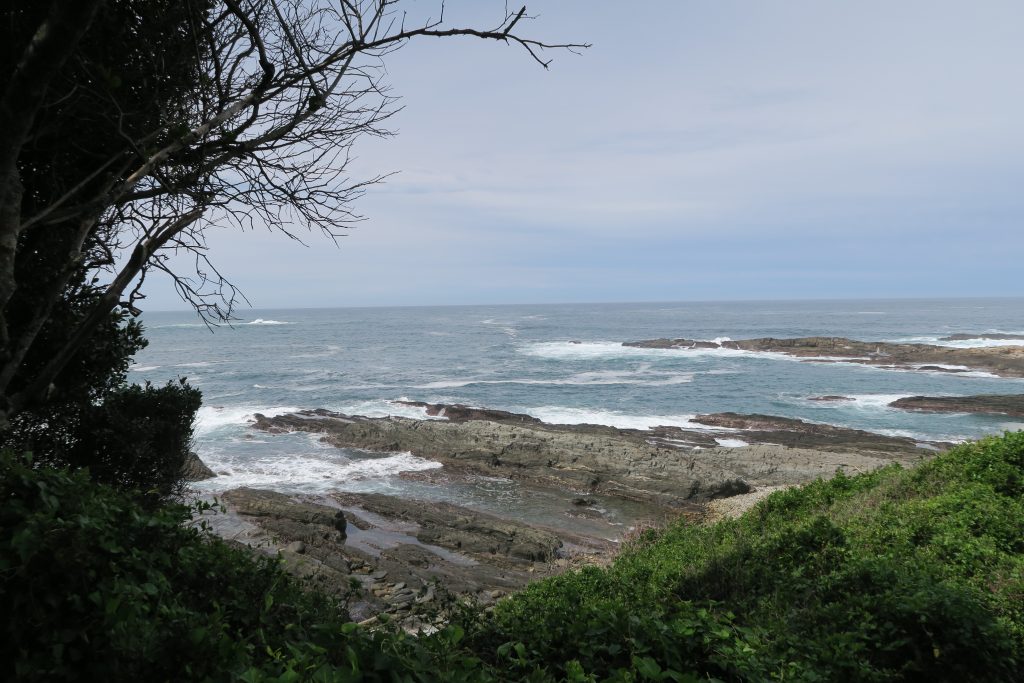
point(869, 401)
point(975, 343)
point(448, 384)
point(604, 350)
point(564, 415)
point(596, 378)
point(261, 321)
point(308, 471)
point(212, 418)
point(732, 443)
point(386, 408)
point(979, 343)
point(958, 370)
point(144, 368)
point(917, 436)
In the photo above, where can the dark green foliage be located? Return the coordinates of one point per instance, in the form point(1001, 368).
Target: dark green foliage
point(913, 575)
point(137, 438)
point(94, 588)
point(894, 575)
point(133, 77)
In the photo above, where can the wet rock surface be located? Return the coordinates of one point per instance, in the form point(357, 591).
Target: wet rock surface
point(793, 433)
point(665, 466)
point(1004, 361)
point(408, 558)
point(996, 404)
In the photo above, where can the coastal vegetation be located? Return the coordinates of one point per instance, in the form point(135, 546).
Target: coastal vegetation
point(898, 574)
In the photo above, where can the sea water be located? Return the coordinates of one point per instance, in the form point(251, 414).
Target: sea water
point(526, 358)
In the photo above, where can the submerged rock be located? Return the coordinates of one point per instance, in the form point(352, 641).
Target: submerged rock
point(971, 337)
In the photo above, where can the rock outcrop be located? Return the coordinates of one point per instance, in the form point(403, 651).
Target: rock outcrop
point(1004, 361)
point(793, 433)
point(666, 466)
point(996, 404)
point(403, 557)
point(579, 458)
point(195, 469)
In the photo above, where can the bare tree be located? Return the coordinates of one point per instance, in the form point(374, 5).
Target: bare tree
point(284, 89)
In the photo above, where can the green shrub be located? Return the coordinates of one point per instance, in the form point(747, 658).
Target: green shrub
point(136, 438)
point(892, 575)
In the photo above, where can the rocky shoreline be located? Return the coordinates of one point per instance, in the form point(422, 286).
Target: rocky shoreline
point(663, 466)
point(410, 559)
point(1001, 361)
point(416, 559)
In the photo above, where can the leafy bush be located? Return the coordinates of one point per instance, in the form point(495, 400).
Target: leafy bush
point(135, 438)
point(894, 575)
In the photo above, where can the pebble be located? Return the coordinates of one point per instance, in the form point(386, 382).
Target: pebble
point(399, 586)
point(380, 574)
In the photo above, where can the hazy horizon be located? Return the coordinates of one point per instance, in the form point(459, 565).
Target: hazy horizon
point(615, 303)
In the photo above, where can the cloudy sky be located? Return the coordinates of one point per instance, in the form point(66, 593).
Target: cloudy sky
point(710, 149)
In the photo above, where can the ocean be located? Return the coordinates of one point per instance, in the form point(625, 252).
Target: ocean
point(524, 358)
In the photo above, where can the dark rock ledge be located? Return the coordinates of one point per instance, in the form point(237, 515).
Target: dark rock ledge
point(1003, 361)
point(996, 404)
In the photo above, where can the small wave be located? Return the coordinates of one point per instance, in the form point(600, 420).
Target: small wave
point(309, 471)
point(144, 368)
point(979, 343)
point(870, 401)
point(212, 418)
point(504, 325)
point(386, 408)
point(604, 350)
point(261, 321)
point(732, 443)
point(975, 343)
point(955, 370)
point(564, 415)
point(598, 378)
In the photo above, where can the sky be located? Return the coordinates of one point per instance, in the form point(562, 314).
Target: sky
point(699, 150)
